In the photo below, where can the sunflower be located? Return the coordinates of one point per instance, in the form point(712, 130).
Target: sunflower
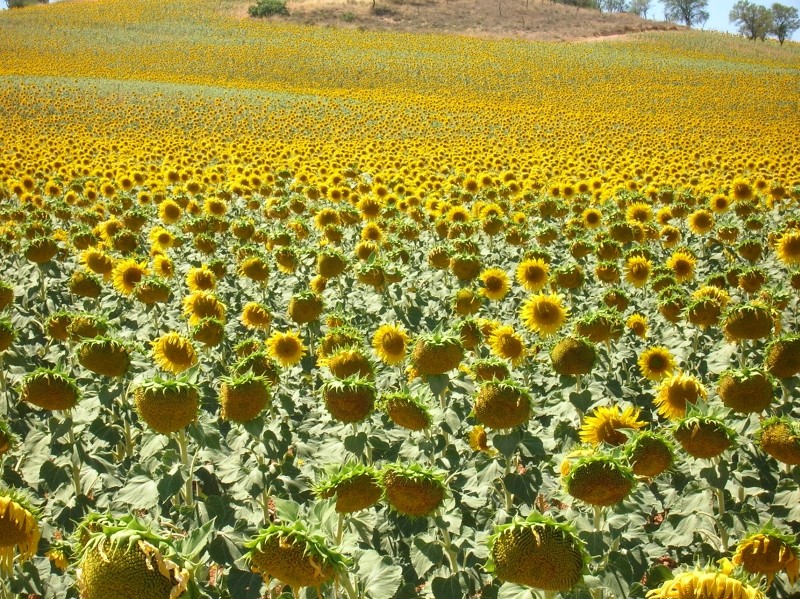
point(637, 270)
point(169, 211)
point(390, 342)
point(286, 348)
point(255, 269)
point(768, 552)
point(174, 353)
point(127, 274)
point(97, 261)
point(604, 425)
point(478, 440)
point(591, 218)
point(676, 392)
point(682, 264)
point(495, 283)
point(161, 238)
point(704, 584)
point(788, 248)
point(656, 363)
point(256, 316)
point(163, 266)
point(505, 343)
point(19, 528)
point(200, 305)
point(200, 278)
point(638, 324)
point(544, 313)
point(532, 274)
point(719, 203)
point(701, 221)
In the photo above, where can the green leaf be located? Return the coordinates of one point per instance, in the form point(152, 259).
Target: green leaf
point(380, 577)
point(139, 492)
point(244, 585)
point(509, 590)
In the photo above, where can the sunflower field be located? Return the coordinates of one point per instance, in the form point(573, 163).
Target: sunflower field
point(310, 312)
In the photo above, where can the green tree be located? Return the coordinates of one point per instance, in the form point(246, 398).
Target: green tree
point(640, 7)
point(688, 12)
point(785, 21)
point(754, 21)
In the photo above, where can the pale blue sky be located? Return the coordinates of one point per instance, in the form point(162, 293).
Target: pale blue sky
point(719, 10)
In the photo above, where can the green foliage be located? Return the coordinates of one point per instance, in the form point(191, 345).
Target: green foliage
point(268, 8)
point(754, 21)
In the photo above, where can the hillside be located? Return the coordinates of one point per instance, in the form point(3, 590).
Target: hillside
point(526, 19)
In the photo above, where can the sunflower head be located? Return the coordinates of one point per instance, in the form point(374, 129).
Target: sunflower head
point(355, 486)
point(436, 353)
point(779, 437)
point(752, 320)
point(413, 490)
point(607, 423)
point(506, 343)
point(501, 404)
point(260, 364)
point(294, 555)
point(50, 389)
point(19, 529)
point(105, 356)
point(349, 400)
point(768, 552)
point(124, 556)
point(243, 397)
point(703, 436)
point(544, 313)
point(390, 342)
point(174, 353)
point(127, 274)
point(711, 583)
point(537, 552)
point(656, 363)
point(152, 290)
point(649, 454)
point(495, 283)
point(286, 348)
point(745, 391)
point(305, 307)
point(600, 326)
point(598, 479)
point(167, 405)
point(256, 315)
point(782, 359)
point(573, 356)
point(406, 410)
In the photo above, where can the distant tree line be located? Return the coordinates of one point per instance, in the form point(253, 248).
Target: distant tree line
point(23, 3)
point(756, 22)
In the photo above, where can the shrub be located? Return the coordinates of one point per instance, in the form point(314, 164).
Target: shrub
point(268, 8)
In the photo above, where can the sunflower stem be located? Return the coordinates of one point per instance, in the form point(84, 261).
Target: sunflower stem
point(3, 386)
point(452, 556)
point(184, 447)
point(75, 458)
point(579, 380)
point(348, 586)
point(549, 595)
point(598, 518)
point(509, 499)
point(340, 529)
point(42, 288)
point(723, 533)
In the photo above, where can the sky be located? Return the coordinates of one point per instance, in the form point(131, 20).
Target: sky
point(719, 10)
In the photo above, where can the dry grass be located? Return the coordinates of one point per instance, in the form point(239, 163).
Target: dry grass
point(527, 19)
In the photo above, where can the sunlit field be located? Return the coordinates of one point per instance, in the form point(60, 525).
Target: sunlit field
point(309, 312)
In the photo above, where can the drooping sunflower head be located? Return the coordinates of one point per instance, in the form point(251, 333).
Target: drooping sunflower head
point(125, 557)
point(355, 486)
point(656, 363)
point(705, 584)
point(752, 320)
point(202, 304)
point(390, 342)
point(599, 479)
point(19, 529)
point(286, 348)
point(50, 389)
point(607, 423)
point(537, 552)
point(544, 313)
point(768, 552)
point(649, 453)
point(745, 391)
point(573, 356)
point(104, 355)
point(167, 405)
point(413, 490)
point(243, 397)
point(256, 315)
point(294, 555)
point(406, 410)
point(174, 353)
point(502, 404)
point(703, 436)
point(782, 359)
point(779, 437)
point(347, 361)
point(436, 353)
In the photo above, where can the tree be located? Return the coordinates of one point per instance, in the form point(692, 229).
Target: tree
point(785, 21)
point(754, 21)
point(689, 12)
point(640, 7)
point(614, 5)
